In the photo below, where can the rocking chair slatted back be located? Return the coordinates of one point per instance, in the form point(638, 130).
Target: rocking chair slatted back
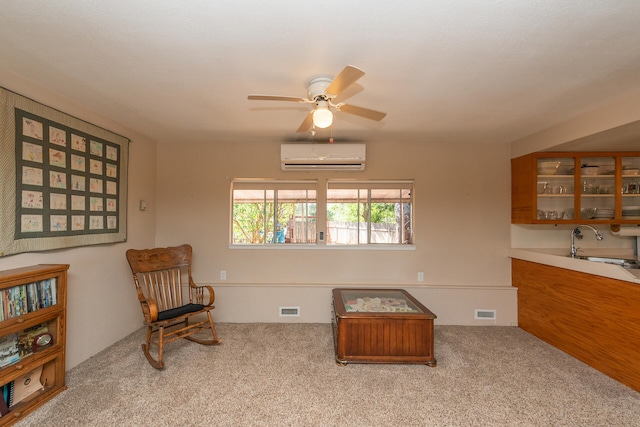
point(161, 276)
point(166, 287)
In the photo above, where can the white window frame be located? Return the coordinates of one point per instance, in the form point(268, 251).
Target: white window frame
point(365, 188)
point(271, 189)
point(322, 188)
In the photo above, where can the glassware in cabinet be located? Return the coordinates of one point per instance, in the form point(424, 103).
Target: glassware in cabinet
point(630, 188)
point(555, 188)
point(598, 184)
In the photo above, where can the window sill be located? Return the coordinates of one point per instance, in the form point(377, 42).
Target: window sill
point(285, 246)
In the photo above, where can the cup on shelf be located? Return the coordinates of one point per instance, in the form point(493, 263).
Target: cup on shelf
point(550, 214)
point(541, 187)
point(561, 189)
point(588, 188)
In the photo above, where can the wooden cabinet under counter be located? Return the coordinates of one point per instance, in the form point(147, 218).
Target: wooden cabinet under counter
point(593, 318)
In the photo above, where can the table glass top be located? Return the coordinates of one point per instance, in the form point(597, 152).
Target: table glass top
point(377, 301)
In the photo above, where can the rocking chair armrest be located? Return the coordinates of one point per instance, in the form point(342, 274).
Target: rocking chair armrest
point(149, 309)
point(210, 291)
point(199, 293)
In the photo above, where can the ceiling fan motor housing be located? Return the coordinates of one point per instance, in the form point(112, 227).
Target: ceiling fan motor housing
point(317, 86)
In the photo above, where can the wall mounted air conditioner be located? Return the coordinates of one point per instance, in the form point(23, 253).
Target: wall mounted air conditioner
point(323, 157)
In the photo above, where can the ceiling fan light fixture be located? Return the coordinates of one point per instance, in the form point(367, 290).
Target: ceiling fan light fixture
point(322, 116)
point(321, 90)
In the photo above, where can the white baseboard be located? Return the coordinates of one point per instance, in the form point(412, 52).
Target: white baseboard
point(454, 305)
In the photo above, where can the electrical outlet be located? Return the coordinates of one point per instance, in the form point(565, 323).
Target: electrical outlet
point(420, 276)
point(223, 274)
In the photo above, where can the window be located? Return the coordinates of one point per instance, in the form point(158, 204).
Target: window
point(369, 212)
point(273, 212)
point(357, 212)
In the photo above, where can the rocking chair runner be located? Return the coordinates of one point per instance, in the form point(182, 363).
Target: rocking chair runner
point(160, 276)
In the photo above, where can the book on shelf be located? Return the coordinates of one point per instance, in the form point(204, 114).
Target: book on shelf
point(25, 385)
point(47, 291)
point(23, 299)
point(32, 297)
point(9, 352)
point(4, 398)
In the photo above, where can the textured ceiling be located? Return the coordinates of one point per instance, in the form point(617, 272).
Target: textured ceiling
point(490, 71)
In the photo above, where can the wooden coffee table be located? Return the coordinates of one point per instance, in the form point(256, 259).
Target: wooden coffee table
point(381, 326)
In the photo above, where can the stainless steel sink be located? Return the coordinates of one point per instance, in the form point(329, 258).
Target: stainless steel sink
point(622, 262)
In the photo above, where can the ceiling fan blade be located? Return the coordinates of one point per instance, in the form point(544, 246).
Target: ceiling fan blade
point(362, 112)
point(346, 78)
point(276, 98)
point(306, 123)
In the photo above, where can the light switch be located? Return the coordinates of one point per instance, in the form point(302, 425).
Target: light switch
point(143, 205)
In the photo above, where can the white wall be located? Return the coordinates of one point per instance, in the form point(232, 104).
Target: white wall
point(462, 210)
point(102, 303)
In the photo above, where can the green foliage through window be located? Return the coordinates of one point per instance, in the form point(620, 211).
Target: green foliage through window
point(272, 216)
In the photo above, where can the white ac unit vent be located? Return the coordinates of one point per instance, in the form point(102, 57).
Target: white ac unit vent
point(323, 157)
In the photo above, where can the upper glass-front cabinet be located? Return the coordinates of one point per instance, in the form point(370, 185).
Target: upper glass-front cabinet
point(586, 187)
point(630, 188)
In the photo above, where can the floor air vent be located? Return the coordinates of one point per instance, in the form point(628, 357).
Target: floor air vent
point(485, 314)
point(289, 311)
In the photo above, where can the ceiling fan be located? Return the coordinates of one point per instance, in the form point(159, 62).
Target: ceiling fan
point(321, 90)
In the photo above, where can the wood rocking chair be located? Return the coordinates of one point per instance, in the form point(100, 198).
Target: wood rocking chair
point(160, 276)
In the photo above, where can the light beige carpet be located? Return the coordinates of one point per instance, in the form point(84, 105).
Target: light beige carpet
point(286, 375)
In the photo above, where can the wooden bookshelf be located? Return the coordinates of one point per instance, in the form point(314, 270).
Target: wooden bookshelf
point(34, 303)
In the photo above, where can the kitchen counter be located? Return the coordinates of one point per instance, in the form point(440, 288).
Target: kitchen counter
point(560, 258)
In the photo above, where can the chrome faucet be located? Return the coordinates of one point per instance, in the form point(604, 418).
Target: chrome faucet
point(577, 234)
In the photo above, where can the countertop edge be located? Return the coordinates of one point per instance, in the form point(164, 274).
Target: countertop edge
point(559, 258)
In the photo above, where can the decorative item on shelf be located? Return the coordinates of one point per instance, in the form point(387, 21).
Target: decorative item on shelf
point(42, 341)
point(590, 169)
point(27, 339)
point(631, 188)
point(548, 168)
